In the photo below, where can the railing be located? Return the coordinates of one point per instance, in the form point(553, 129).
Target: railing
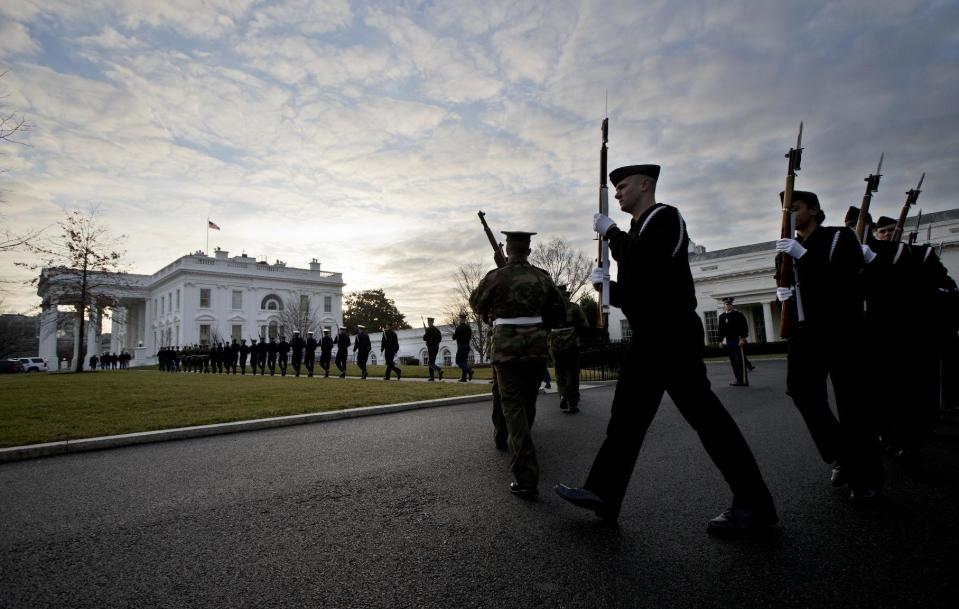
point(600, 359)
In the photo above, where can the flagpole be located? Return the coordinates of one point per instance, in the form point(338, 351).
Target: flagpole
point(207, 250)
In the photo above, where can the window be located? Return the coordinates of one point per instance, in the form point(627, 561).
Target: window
point(447, 357)
point(204, 334)
point(178, 299)
point(237, 332)
point(711, 321)
point(154, 307)
point(626, 330)
point(204, 298)
point(327, 304)
point(760, 328)
point(169, 302)
point(237, 299)
point(304, 305)
point(162, 301)
point(274, 329)
point(272, 303)
point(262, 332)
point(424, 358)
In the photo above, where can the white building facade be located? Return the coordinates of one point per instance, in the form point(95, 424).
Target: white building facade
point(197, 299)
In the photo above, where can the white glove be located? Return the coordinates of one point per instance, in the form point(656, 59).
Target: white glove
point(784, 294)
point(602, 223)
point(868, 254)
point(598, 276)
point(791, 247)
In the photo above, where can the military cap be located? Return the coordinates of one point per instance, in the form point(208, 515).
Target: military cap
point(430, 319)
point(517, 236)
point(852, 215)
point(884, 221)
point(650, 171)
point(462, 315)
point(361, 326)
point(309, 333)
point(296, 331)
point(804, 195)
point(729, 300)
point(326, 330)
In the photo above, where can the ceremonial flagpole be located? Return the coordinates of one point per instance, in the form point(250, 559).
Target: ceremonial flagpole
point(207, 250)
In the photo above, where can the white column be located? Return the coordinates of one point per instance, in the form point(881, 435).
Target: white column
point(93, 332)
point(76, 342)
point(768, 322)
point(48, 334)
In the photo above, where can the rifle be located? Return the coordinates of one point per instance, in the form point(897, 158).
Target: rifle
point(914, 234)
point(786, 273)
point(911, 197)
point(498, 256)
point(602, 258)
point(872, 185)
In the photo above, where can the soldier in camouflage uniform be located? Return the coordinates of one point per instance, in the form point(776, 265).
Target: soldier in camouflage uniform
point(523, 302)
point(564, 346)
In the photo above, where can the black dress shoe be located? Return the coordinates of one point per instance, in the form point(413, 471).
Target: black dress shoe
point(837, 477)
point(737, 521)
point(586, 499)
point(526, 492)
point(563, 404)
point(441, 374)
point(865, 496)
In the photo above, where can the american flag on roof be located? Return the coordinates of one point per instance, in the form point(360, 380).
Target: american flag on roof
point(212, 224)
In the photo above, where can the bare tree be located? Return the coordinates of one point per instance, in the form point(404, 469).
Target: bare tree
point(82, 268)
point(565, 265)
point(295, 316)
point(12, 126)
point(466, 278)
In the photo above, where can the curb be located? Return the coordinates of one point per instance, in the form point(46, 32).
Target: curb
point(34, 451)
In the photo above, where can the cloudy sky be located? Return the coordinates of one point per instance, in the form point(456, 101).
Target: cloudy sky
point(368, 134)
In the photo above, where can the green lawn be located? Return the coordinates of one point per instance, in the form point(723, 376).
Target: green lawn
point(37, 408)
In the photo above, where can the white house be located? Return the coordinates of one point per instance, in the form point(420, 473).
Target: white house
point(193, 300)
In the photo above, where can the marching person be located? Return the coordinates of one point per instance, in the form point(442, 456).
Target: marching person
point(342, 342)
point(362, 348)
point(326, 352)
point(654, 288)
point(262, 354)
point(296, 346)
point(283, 351)
point(390, 345)
point(271, 350)
point(828, 343)
point(523, 303)
point(432, 337)
point(309, 358)
point(733, 331)
point(564, 347)
point(244, 353)
point(462, 335)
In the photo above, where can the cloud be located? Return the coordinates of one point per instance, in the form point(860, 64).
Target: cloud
point(15, 39)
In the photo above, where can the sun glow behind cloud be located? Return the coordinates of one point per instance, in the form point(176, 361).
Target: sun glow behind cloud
point(369, 134)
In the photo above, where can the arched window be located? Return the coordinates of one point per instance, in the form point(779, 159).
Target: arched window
point(447, 357)
point(274, 329)
point(424, 358)
point(272, 302)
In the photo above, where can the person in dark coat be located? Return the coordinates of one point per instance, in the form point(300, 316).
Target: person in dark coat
point(463, 335)
point(296, 348)
point(432, 337)
point(654, 289)
point(271, 350)
point(326, 352)
point(389, 346)
point(244, 351)
point(283, 351)
point(309, 354)
point(733, 331)
point(262, 354)
point(342, 342)
point(828, 343)
point(362, 348)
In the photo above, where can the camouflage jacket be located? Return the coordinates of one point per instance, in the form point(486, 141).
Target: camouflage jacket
point(518, 289)
point(566, 335)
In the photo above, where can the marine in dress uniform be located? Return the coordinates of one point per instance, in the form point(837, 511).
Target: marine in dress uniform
point(523, 303)
point(564, 347)
point(432, 337)
point(262, 354)
point(389, 346)
point(271, 350)
point(244, 353)
point(654, 289)
point(362, 348)
point(283, 353)
point(733, 331)
point(463, 335)
point(829, 343)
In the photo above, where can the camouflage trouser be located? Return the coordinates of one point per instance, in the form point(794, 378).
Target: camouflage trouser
point(567, 375)
point(518, 384)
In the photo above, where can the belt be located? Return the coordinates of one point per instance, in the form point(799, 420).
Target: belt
point(517, 321)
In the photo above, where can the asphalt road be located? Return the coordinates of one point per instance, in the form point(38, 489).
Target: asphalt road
point(412, 510)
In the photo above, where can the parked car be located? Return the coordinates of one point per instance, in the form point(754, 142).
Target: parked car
point(8, 366)
point(33, 364)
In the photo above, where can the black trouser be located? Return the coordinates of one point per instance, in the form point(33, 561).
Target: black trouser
point(340, 360)
point(463, 361)
point(242, 364)
point(673, 365)
point(325, 362)
point(736, 360)
point(297, 362)
point(283, 363)
point(431, 353)
point(853, 439)
point(310, 362)
point(391, 365)
point(262, 361)
point(361, 357)
point(271, 363)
